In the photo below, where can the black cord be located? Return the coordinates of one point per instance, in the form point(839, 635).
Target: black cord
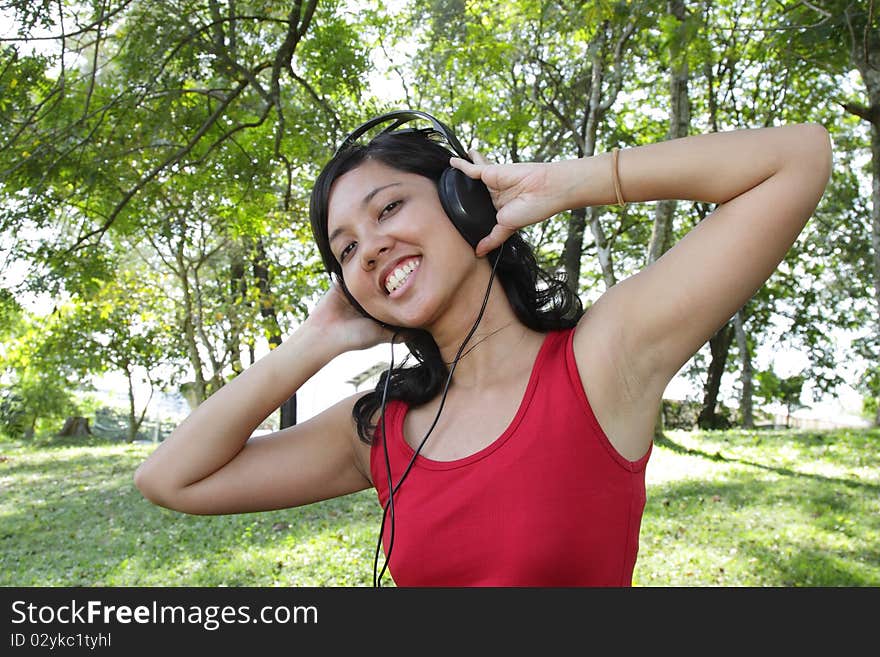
point(376, 582)
point(377, 579)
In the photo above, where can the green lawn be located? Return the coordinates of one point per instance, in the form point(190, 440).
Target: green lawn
point(767, 508)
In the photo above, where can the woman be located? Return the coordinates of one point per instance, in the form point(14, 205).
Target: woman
point(533, 474)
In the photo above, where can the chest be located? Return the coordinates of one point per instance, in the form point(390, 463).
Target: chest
point(548, 507)
point(470, 420)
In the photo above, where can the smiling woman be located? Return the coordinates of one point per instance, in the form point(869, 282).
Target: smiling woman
point(534, 474)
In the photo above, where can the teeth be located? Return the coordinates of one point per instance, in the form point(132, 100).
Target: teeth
point(400, 274)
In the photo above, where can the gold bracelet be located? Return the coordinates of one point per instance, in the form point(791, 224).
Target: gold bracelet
point(615, 155)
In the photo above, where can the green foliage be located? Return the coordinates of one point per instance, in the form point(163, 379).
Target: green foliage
point(44, 362)
point(825, 34)
point(10, 313)
point(13, 413)
point(34, 405)
point(155, 158)
point(869, 385)
point(774, 389)
point(869, 406)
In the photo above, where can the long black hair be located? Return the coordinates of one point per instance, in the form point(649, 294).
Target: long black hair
point(542, 301)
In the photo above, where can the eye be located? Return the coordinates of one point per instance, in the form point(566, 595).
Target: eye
point(388, 209)
point(346, 250)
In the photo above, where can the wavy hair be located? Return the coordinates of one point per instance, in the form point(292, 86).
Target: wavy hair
point(542, 301)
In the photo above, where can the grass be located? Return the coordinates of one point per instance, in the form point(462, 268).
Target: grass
point(735, 508)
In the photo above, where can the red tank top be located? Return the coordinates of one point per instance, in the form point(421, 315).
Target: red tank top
point(549, 503)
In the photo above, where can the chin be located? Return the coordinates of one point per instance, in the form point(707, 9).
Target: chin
point(406, 323)
point(420, 318)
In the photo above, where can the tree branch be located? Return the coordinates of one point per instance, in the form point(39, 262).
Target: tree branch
point(174, 158)
point(83, 30)
point(869, 114)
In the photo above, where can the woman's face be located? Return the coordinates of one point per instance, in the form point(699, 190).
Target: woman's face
point(401, 257)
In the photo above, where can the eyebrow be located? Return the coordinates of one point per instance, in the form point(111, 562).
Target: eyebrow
point(369, 197)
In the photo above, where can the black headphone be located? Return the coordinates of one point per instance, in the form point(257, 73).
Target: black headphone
point(466, 201)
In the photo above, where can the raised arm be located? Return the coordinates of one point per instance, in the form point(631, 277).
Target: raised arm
point(209, 465)
point(767, 182)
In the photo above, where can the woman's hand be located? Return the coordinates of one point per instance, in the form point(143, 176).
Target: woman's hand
point(339, 321)
point(523, 193)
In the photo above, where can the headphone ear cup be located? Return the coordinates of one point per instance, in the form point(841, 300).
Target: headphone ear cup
point(468, 204)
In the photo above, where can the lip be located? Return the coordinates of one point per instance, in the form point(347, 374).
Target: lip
point(387, 271)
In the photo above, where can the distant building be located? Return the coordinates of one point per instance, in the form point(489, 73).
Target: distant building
point(369, 375)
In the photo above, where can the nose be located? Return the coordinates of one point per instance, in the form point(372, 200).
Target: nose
point(374, 249)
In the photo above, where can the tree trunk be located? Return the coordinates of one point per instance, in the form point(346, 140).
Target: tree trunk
point(603, 248)
point(719, 345)
point(288, 412)
point(198, 390)
point(606, 65)
point(133, 425)
point(270, 318)
point(267, 299)
point(593, 112)
point(865, 55)
point(875, 223)
point(76, 426)
point(745, 357)
point(135, 422)
point(661, 231)
point(572, 250)
point(237, 296)
point(679, 126)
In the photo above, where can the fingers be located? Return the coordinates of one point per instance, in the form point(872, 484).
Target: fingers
point(471, 169)
point(493, 240)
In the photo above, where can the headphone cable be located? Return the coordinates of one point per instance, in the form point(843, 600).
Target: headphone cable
point(389, 505)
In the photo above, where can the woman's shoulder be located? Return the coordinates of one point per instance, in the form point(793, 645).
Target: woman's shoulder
point(340, 417)
point(625, 407)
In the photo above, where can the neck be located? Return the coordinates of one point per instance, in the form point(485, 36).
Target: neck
point(474, 342)
point(487, 354)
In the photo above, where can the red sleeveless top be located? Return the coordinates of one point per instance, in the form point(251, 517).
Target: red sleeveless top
point(549, 503)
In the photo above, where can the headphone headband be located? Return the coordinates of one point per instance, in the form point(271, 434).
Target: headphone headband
point(398, 118)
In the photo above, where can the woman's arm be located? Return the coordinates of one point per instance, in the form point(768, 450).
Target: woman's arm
point(210, 465)
point(767, 183)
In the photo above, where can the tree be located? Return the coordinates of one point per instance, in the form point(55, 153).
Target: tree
point(44, 363)
point(839, 37)
point(679, 35)
point(150, 108)
point(126, 323)
point(771, 388)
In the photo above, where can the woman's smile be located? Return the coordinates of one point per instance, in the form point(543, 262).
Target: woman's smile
point(398, 277)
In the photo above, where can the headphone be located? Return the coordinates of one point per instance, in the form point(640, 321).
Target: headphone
point(466, 201)
point(468, 204)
